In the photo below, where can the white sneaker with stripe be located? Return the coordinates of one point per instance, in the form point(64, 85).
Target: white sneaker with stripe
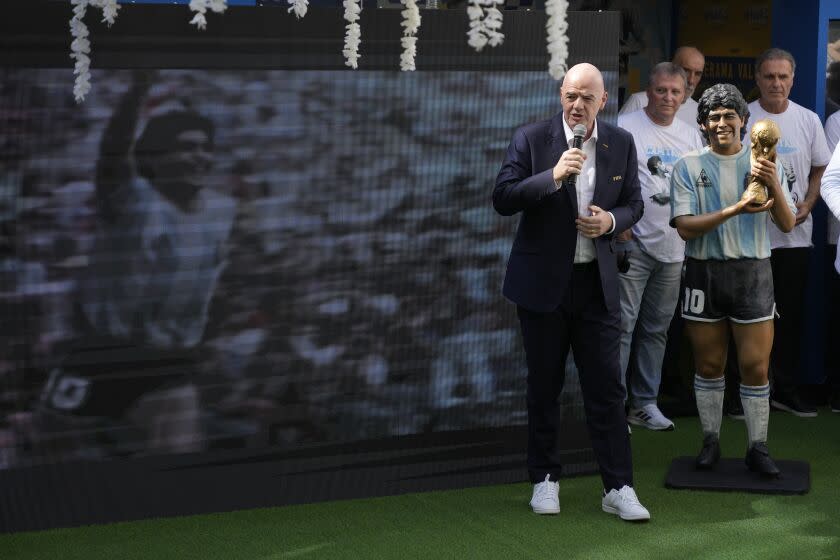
point(650, 417)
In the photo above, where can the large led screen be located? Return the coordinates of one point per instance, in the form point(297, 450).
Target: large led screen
point(197, 260)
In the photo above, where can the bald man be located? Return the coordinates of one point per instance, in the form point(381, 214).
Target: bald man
point(692, 61)
point(563, 277)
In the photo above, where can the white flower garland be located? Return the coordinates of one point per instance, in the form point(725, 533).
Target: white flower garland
point(109, 10)
point(485, 29)
point(80, 46)
point(410, 23)
point(557, 40)
point(79, 49)
point(352, 11)
point(200, 8)
point(485, 24)
point(299, 7)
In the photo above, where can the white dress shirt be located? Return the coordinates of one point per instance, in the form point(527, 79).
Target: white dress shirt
point(585, 188)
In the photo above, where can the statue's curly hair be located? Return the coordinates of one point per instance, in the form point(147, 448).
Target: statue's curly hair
point(722, 95)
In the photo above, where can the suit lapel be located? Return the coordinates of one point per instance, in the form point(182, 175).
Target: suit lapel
point(602, 153)
point(558, 146)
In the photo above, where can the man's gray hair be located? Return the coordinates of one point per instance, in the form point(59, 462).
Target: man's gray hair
point(775, 54)
point(668, 69)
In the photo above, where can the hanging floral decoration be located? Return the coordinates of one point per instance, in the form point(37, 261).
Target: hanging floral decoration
point(484, 29)
point(80, 46)
point(556, 38)
point(299, 7)
point(485, 24)
point(200, 8)
point(352, 12)
point(410, 24)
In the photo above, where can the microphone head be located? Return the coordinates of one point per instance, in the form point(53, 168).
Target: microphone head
point(579, 130)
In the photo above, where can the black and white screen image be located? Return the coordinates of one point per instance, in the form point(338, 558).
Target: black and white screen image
point(195, 260)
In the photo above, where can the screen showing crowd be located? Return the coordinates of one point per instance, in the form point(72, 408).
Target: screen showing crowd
point(197, 259)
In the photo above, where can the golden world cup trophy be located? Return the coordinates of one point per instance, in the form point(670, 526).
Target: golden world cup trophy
point(764, 137)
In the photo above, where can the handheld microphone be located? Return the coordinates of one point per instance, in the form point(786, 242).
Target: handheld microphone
point(579, 132)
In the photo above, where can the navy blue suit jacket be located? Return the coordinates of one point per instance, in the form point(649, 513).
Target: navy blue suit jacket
point(543, 252)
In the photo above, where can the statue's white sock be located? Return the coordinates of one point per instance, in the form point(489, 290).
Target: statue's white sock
point(709, 396)
point(756, 403)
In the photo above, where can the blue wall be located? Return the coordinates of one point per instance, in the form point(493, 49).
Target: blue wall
point(801, 27)
point(797, 28)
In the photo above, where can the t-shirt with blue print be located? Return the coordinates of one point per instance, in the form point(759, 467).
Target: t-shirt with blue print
point(658, 148)
point(802, 146)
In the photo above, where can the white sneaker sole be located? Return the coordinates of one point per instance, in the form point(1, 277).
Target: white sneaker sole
point(546, 511)
point(626, 517)
point(643, 424)
point(781, 406)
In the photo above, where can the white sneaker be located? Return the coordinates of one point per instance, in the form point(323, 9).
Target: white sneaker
point(650, 417)
point(546, 500)
point(624, 504)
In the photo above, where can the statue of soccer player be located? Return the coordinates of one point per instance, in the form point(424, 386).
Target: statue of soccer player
point(728, 278)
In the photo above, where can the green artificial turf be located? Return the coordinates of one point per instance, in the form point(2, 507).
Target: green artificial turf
point(496, 522)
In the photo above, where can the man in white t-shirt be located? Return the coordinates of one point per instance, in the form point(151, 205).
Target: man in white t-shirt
point(803, 153)
point(692, 61)
point(830, 191)
point(832, 136)
point(650, 287)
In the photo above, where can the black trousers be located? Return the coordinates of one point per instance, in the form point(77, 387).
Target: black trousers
point(790, 273)
point(583, 323)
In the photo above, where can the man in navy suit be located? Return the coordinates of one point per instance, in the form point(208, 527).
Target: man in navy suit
point(563, 277)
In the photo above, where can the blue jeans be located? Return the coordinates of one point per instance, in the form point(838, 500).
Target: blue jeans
point(649, 292)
